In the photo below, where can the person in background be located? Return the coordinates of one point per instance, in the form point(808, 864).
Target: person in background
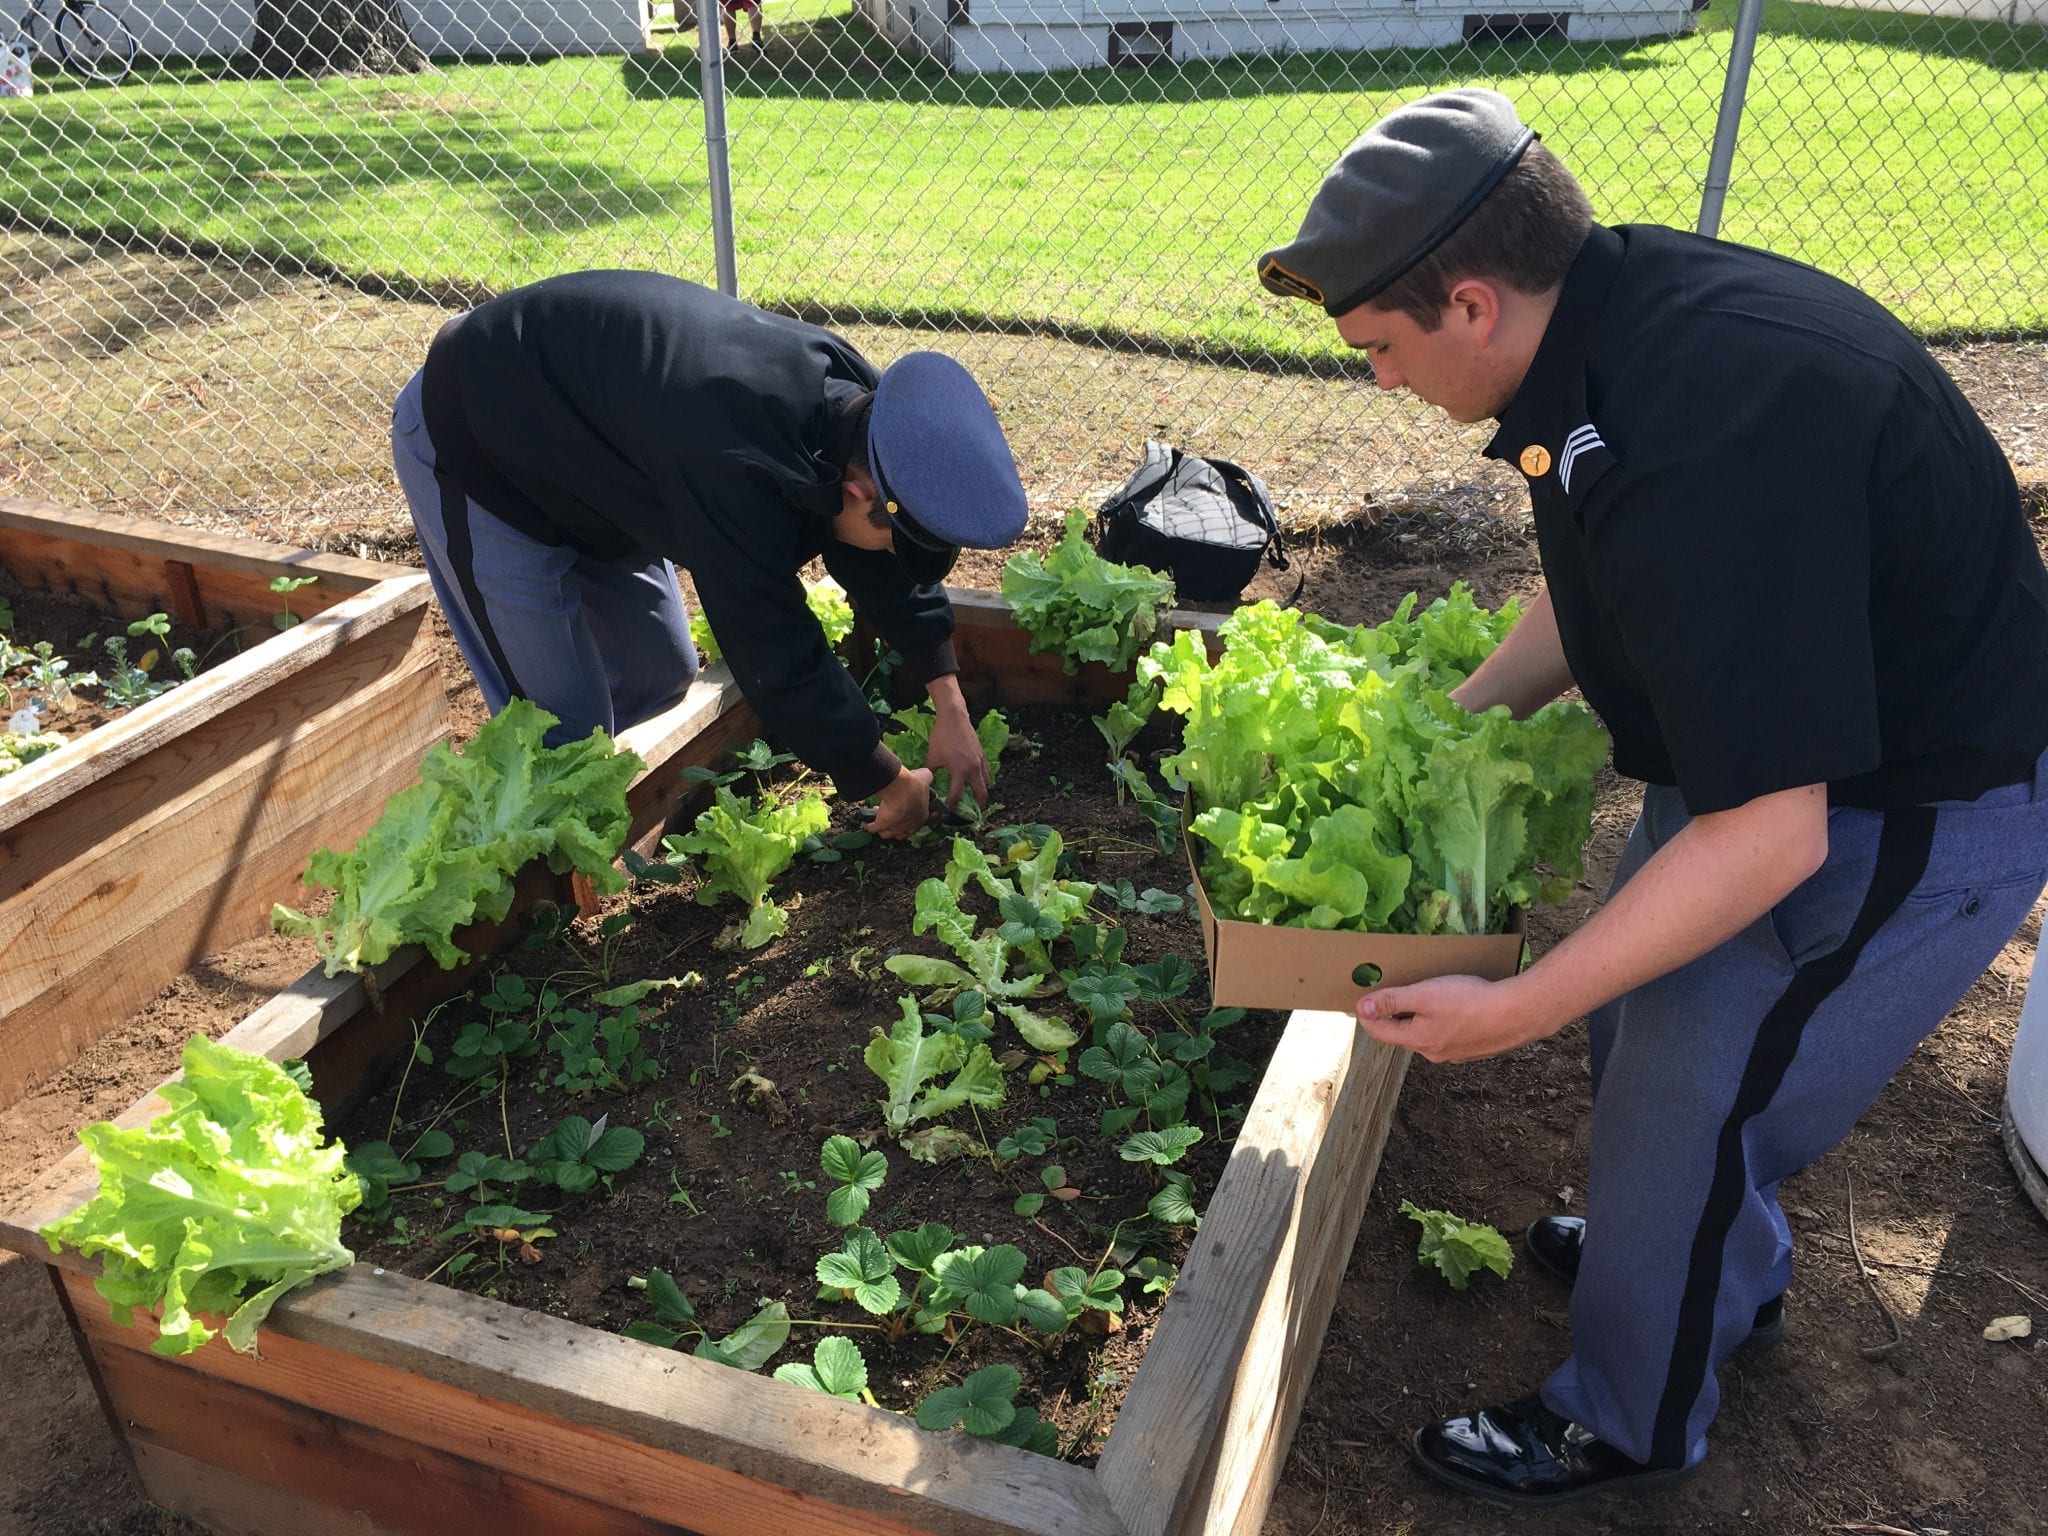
point(1787, 565)
point(568, 445)
point(730, 10)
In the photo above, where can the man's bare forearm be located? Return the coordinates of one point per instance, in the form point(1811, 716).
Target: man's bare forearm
point(1526, 671)
point(946, 696)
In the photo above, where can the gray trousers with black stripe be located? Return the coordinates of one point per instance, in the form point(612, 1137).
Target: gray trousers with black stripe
point(1716, 1081)
point(599, 644)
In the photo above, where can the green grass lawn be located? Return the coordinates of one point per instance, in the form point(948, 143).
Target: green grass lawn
point(1905, 154)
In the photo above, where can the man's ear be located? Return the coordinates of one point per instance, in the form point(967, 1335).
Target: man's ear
point(857, 490)
point(1476, 303)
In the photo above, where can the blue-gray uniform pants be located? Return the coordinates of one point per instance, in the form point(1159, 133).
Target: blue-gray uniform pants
point(594, 642)
point(1713, 1083)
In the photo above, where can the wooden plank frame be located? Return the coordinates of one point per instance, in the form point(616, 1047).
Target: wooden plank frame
point(166, 834)
point(384, 1405)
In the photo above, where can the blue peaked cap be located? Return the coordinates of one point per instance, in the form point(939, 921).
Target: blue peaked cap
point(940, 459)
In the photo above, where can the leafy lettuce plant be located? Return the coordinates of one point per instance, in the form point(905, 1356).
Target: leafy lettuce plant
point(984, 958)
point(445, 852)
point(1337, 786)
point(20, 748)
point(1085, 607)
point(910, 1063)
point(229, 1187)
point(744, 846)
point(1457, 1248)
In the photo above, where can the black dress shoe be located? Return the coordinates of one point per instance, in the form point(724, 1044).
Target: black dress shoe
point(1526, 1457)
point(1555, 1243)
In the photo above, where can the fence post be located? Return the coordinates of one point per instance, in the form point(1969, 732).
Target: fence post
point(711, 59)
point(1734, 91)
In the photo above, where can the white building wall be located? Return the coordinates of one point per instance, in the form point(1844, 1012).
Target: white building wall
point(192, 29)
point(1026, 36)
point(533, 28)
point(915, 25)
point(186, 29)
point(2014, 13)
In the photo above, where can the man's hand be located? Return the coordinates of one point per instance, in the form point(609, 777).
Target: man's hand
point(905, 801)
point(1526, 670)
point(954, 746)
point(1721, 872)
point(1452, 1018)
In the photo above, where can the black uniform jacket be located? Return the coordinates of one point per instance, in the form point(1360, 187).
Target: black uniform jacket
point(1781, 547)
point(629, 414)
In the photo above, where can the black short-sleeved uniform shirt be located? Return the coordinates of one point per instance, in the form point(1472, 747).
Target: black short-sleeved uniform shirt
point(633, 414)
point(1781, 547)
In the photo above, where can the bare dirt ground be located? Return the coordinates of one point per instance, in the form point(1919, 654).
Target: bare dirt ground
point(1836, 1431)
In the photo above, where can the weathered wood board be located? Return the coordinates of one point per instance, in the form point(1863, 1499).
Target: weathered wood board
point(167, 834)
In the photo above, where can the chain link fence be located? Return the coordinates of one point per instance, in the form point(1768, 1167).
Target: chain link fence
point(222, 255)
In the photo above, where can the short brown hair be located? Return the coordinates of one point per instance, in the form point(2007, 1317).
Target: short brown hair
point(1524, 233)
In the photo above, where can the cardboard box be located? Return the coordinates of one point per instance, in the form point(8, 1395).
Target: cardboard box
point(1257, 965)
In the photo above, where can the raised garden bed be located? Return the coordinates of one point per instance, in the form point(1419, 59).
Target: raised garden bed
point(385, 1404)
point(166, 833)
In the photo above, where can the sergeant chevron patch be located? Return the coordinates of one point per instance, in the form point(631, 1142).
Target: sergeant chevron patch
point(1581, 441)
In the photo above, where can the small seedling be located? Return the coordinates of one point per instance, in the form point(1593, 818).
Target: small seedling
point(284, 586)
point(681, 1196)
point(1054, 1179)
point(1032, 1140)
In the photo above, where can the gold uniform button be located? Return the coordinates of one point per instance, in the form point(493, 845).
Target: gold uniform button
point(1535, 461)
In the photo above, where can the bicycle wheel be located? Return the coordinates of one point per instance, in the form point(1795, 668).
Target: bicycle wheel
point(35, 31)
point(93, 41)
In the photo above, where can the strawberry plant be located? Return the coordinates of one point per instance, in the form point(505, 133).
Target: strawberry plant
point(600, 1052)
point(747, 1348)
point(855, 1176)
point(985, 1405)
point(836, 1369)
point(578, 1152)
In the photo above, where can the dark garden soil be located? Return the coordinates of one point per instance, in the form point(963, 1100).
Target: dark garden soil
point(77, 632)
point(761, 1061)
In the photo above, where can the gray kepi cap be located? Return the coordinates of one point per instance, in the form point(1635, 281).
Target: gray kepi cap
point(1395, 195)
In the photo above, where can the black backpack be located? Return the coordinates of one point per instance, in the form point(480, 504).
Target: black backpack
point(1205, 522)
